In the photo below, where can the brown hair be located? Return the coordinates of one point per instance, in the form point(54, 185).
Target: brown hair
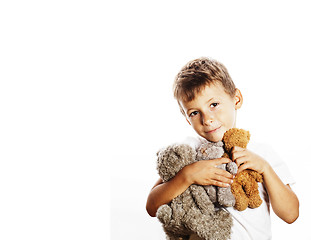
point(198, 73)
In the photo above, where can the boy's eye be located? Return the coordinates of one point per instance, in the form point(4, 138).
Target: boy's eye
point(214, 105)
point(193, 114)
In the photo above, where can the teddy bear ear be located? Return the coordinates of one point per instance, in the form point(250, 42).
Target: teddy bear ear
point(247, 134)
point(159, 152)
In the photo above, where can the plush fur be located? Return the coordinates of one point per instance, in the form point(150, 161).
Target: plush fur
point(222, 196)
point(192, 211)
point(244, 186)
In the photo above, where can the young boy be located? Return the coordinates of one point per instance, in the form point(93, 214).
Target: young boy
point(209, 100)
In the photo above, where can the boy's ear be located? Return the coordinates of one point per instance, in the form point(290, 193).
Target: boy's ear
point(238, 98)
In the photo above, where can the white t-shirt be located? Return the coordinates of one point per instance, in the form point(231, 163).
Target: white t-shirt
point(254, 224)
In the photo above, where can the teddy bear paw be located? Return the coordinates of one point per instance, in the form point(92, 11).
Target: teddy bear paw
point(225, 197)
point(164, 214)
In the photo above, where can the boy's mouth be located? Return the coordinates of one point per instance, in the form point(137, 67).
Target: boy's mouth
point(214, 130)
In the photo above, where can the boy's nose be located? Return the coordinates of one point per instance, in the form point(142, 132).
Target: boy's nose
point(207, 119)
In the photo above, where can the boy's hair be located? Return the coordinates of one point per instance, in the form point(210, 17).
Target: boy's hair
point(198, 73)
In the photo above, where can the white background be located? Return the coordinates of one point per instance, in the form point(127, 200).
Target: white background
point(52, 167)
point(86, 101)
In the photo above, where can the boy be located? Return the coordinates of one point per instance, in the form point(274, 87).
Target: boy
point(209, 100)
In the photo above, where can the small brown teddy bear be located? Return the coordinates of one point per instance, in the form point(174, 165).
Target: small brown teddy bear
point(244, 186)
point(192, 211)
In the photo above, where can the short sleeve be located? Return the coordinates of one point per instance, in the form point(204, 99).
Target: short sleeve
point(278, 165)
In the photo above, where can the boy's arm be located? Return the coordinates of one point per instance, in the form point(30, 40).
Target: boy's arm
point(164, 192)
point(284, 201)
point(202, 173)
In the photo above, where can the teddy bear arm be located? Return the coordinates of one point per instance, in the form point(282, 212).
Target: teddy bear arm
point(164, 214)
point(256, 175)
point(251, 190)
point(254, 200)
point(241, 199)
point(232, 168)
point(202, 199)
point(211, 192)
point(172, 217)
point(178, 210)
point(225, 197)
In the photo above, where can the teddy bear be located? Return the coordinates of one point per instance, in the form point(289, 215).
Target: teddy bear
point(191, 212)
point(220, 195)
point(244, 186)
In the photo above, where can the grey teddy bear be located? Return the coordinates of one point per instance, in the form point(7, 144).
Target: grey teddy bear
point(192, 211)
point(210, 150)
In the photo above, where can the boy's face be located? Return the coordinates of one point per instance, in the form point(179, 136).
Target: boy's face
point(213, 111)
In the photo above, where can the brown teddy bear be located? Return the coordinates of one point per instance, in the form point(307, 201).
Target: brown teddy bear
point(244, 186)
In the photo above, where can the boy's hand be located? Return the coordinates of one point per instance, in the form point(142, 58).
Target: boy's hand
point(205, 172)
point(246, 159)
